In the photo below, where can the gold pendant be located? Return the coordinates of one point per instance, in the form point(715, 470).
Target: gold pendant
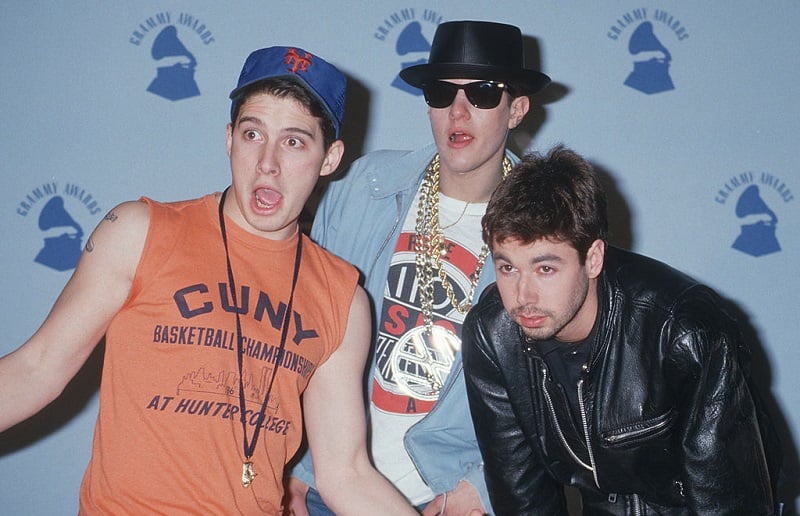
point(247, 474)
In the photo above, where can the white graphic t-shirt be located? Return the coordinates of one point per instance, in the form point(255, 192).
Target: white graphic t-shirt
point(412, 365)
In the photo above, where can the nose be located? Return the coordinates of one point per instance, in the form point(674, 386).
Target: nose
point(268, 160)
point(460, 106)
point(527, 293)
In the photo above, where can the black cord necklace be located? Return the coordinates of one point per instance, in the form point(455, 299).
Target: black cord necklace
point(249, 446)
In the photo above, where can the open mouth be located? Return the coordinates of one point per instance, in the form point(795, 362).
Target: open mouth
point(458, 137)
point(267, 198)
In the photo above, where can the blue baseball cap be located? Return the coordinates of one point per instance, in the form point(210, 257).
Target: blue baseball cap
point(323, 80)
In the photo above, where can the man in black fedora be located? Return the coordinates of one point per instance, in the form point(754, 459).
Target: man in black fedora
point(410, 221)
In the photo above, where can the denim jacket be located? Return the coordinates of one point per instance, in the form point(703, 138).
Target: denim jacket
point(359, 220)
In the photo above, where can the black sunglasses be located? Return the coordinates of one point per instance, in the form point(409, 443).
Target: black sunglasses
point(481, 94)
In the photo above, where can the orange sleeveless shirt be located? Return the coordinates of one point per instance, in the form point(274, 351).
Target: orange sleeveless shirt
point(169, 439)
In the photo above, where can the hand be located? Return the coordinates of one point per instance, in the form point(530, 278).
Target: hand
point(461, 501)
point(295, 498)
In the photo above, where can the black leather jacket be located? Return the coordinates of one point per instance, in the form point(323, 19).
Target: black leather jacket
point(668, 422)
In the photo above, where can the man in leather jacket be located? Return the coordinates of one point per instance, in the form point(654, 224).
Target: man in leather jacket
point(601, 369)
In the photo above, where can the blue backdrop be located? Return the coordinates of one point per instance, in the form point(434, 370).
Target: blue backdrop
point(688, 109)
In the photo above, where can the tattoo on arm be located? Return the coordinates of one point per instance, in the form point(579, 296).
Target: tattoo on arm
point(111, 217)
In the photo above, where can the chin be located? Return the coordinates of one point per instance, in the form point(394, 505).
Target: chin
point(537, 333)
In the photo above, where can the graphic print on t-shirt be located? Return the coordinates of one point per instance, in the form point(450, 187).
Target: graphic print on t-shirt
point(412, 365)
point(210, 386)
point(204, 382)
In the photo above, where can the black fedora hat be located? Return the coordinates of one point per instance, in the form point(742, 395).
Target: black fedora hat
point(477, 50)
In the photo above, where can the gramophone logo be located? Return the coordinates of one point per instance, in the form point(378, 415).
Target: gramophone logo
point(650, 57)
point(53, 208)
point(756, 218)
point(175, 65)
point(406, 29)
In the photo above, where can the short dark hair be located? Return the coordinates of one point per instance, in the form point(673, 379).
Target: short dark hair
point(287, 88)
point(557, 195)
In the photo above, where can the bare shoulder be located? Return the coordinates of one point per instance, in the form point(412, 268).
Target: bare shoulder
point(117, 242)
point(360, 303)
point(130, 214)
point(357, 336)
point(127, 222)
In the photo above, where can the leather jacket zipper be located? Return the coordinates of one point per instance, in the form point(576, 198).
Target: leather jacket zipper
point(611, 439)
point(585, 424)
point(637, 505)
point(558, 427)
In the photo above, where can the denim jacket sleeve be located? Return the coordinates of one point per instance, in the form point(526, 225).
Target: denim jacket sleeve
point(447, 431)
point(346, 219)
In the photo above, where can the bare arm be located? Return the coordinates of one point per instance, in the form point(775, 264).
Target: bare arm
point(79, 318)
point(336, 427)
point(463, 500)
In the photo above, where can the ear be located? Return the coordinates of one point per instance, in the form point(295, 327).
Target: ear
point(595, 257)
point(228, 138)
point(332, 158)
point(519, 108)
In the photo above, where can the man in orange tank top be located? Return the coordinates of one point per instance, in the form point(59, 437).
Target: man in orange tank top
point(218, 313)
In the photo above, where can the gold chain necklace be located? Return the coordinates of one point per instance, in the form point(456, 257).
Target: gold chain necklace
point(430, 247)
point(463, 212)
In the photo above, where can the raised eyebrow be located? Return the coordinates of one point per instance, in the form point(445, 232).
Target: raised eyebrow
point(251, 119)
point(548, 257)
point(498, 256)
point(287, 130)
point(300, 130)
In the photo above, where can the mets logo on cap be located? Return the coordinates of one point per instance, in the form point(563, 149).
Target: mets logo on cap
point(320, 78)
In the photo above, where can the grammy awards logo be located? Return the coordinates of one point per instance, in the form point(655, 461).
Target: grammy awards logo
point(651, 59)
point(60, 236)
point(758, 224)
point(651, 74)
point(175, 65)
point(407, 28)
point(757, 221)
point(175, 73)
point(62, 251)
point(411, 43)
